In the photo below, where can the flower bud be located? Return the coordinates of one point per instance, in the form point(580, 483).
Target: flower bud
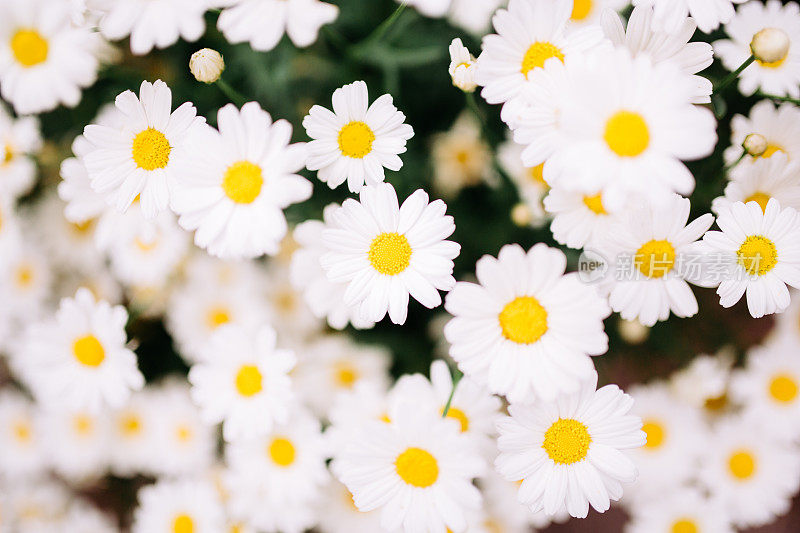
point(770, 45)
point(755, 144)
point(462, 67)
point(206, 65)
point(632, 331)
point(521, 215)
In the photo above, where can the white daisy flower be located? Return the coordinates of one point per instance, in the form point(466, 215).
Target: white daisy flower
point(243, 381)
point(236, 182)
point(198, 308)
point(709, 14)
point(324, 297)
point(418, 471)
point(151, 24)
point(341, 514)
point(249, 504)
point(579, 219)
point(386, 253)
point(529, 180)
point(287, 311)
point(351, 409)
point(472, 406)
point(45, 60)
point(529, 33)
point(26, 279)
point(683, 510)
point(527, 329)
point(21, 438)
point(567, 452)
point(763, 179)
point(504, 512)
point(462, 67)
point(675, 436)
point(781, 77)
point(624, 126)
point(703, 383)
point(85, 517)
point(187, 505)
point(586, 12)
point(472, 15)
point(356, 141)
point(760, 252)
point(333, 364)
point(769, 386)
point(19, 140)
point(779, 126)
point(651, 254)
point(262, 23)
point(753, 474)
point(430, 8)
point(641, 37)
point(134, 436)
point(77, 442)
point(186, 444)
point(788, 323)
point(461, 158)
point(79, 358)
point(37, 506)
point(139, 158)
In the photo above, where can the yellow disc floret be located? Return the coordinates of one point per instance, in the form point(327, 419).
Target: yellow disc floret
point(242, 182)
point(249, 380)
point(655, 258)
point(567, 441)
point(537, 54)
point(595, 204)
point(627, 134)
point(355, 139)
point(523, 320)
point(151, 149)
point(684, 525)
point(760, 198)
point(390, 253)
point(581, 9)
point(655, 434)
point(742, 464)
point(417, 467)
point(783, 388)
point(758, 255)
point(183, 523)
point(282, 451)
point(29, 47)
point(88, 351)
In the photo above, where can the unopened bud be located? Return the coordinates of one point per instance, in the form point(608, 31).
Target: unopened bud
point(770, 45)
point(207, 65)
point(632, 331)
point(755, 145)
point(462, 67)
point(521, 215)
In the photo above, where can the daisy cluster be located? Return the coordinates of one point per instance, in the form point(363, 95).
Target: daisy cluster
point(184, 318)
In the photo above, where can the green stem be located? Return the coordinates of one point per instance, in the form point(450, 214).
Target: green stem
point(733, 75)
point(381, 30)
point(232, 94)
point(779, 98)
point(733, 165)
point(456, 378)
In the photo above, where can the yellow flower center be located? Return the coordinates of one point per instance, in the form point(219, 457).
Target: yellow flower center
point(716, 404)
point(151, 149)
point(758, 255)
point(130, 424)
point(82, 229)
point(771, 150)
point(29, 47)
point(88, 351)
point(627, 134)
point(83, 425)
point(8, 154)
point(567, 441)
point(523, 320)
point(655, 258)
point(759, 197)
point(355, 140)
point(183, 523)
point(773, 64)
point(537, 54)
point(146, 246)
point(457, 414)
point(217, 316)
point(242, 182)
point(655, 434)
point(282, 451)
point(595, 204)
point(390, 253)
point(184, 433)
point(536, 175)
point(685, 525)
point(249, 380)
point(345, 374)
point(742, 464)
point(783, 388)
point(24, 276)
point(23, 432)
point(417, 467)
point(581, 9)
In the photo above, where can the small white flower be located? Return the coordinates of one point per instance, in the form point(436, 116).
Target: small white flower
point(527, 329)
point(262, 23)
point(243, 381)
point(529, 181)
point(779, 126)
point(461, 158)
point(356, 141)
point(151, 24)
point(462, 67)
point(387, 252)
point(19, 140)
point(761, 251)
point(235, 183)
point(683, 509)
point(568, 453)
point(45, 60)
point(770, 45)
point(579, 219)
point(79, 358)
point(773, 177)
point(179, 506)
point(709, 14)
point(134, 435)
point(139, 158)
point(780, 77)
point(21, 437)
point(77, 442)
point(206, 65)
